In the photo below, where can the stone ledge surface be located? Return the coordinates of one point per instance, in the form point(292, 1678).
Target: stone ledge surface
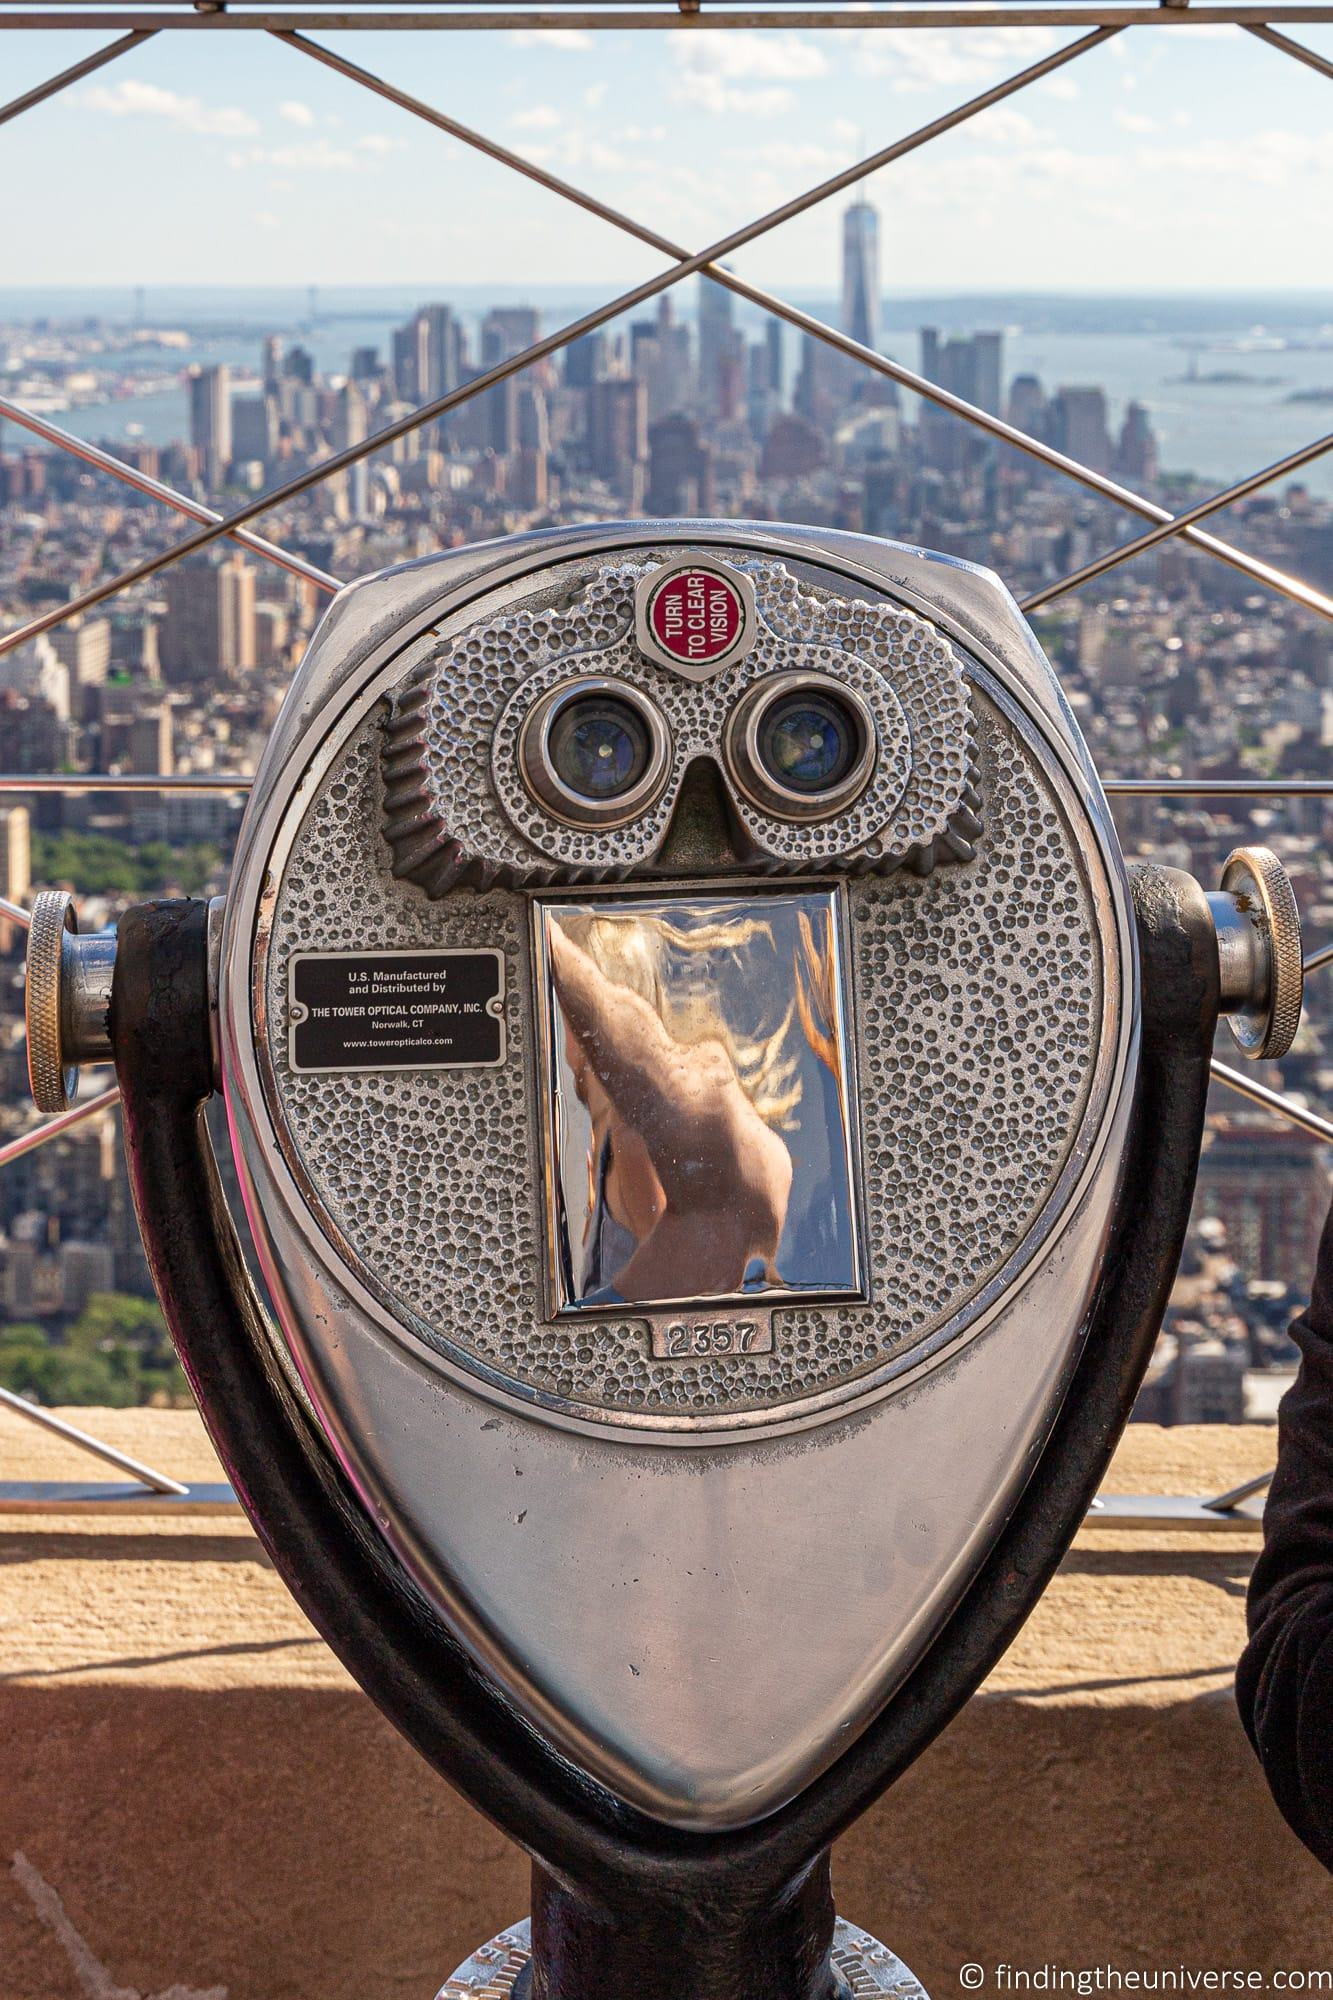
point(207, 1809)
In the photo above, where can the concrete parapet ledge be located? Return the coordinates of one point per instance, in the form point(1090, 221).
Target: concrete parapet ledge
point(197, 1804)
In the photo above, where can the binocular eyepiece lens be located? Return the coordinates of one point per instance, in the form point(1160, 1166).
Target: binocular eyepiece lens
point(599, 747)
point(808, 742)
point(594, 753)
point(597, 753)
point(802, 746)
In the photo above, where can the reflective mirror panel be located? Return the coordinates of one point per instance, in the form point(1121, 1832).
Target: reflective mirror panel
point(699, 1100)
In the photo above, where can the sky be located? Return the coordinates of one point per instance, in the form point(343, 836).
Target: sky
point(1165, 160)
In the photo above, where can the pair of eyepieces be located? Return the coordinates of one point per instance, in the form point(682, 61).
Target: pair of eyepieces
point(801, 747)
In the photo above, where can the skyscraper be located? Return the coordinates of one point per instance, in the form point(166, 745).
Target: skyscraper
point(410, 363)
point(970, 366)
point(209, 628)
point(860, 273)
point(617, 428)
point(506, 331)
point(680, 468)
point(989, 351)
point(1078, 418)
point(820, 382)
point(445, 358)
point(585, 360)
point(660, 358)
point(1136, 454)
point(254, 425)
point(717, 344)
point(210, 417)
point(15, 866)
point(84, 646)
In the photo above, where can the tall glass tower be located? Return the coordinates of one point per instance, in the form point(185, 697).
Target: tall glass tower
point(717, 333)
point(860, 273)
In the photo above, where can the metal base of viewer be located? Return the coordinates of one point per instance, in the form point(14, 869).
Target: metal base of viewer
point(868, 1968)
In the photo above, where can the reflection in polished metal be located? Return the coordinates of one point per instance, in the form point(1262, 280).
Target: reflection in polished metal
point(698, 1105)
point(802, 746)
point(595, 752)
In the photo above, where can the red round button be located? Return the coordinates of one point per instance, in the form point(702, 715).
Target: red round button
point(696, 615)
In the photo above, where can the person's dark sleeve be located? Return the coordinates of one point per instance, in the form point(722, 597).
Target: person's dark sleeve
point(1284, 1683)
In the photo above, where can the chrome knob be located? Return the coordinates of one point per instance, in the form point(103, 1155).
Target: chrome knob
point(66, 1000)
point(1259, 953)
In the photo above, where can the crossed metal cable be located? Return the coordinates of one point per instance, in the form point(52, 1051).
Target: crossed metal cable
point(706, 262)
point(234, 526)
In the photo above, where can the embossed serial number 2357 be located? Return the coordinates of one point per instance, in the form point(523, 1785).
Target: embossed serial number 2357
point(688, 1339)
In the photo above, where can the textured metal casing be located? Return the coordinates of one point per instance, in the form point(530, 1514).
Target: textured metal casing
point(867, 1969)
point(651, 1606)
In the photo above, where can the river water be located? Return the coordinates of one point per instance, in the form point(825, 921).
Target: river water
point(1220, 429)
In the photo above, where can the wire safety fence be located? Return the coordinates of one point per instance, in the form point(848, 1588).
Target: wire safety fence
point(140, 24)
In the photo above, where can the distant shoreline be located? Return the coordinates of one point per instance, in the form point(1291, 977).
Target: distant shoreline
point(241, 306)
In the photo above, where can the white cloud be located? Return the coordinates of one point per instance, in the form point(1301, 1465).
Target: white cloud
point(1134, 121)
point(1008, 126)
point(750, 58)
point(550, 38)
point(742, 73)
point(537, 118)
point(132, 99)
point(317, 156)
point(296, 113)
point(1278, 158)
point(577, 149)
point(264, 218)
point(710, 93)
point(793, 154)
point(994, 181)
point(1061, 86)
point(594, 94)
point(846, 132)
point(313, 156)
point(923, 59)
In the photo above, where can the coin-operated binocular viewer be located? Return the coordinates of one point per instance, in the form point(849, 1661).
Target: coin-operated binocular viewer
point(717, 1121)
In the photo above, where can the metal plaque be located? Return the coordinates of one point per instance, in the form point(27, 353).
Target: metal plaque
point(353, 1010)
point(697, 1102)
